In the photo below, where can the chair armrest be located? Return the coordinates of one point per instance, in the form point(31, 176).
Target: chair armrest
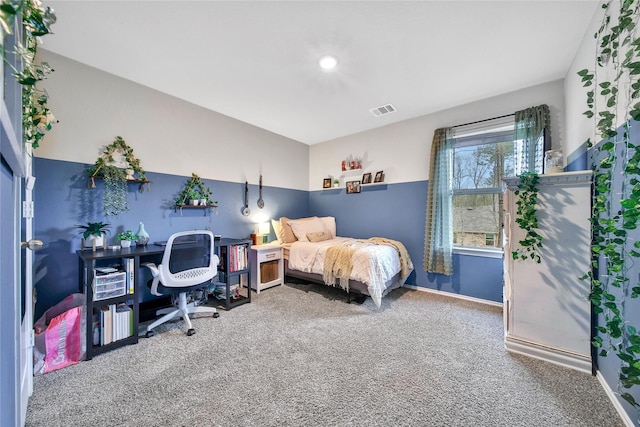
point(155, 272)
point(151, 266)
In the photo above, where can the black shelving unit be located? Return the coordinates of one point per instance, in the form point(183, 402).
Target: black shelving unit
point(89, 261)
point(234, 269)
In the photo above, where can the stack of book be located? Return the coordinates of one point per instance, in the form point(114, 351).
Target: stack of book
point(115, 322)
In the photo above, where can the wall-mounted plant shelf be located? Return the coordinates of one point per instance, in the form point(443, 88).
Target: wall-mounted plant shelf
point(116, 176)
point(92, 184)
point(210, 207)
point(195, 195)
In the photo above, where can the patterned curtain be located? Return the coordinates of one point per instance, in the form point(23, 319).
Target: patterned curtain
point(438, 251)
point(532, 130)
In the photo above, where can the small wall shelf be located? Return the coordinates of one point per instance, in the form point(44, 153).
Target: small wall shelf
point(210, 207)
point(202, 193)
point(91, 183)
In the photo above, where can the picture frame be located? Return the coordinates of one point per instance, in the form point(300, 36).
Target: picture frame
point(366, 178)
point(379, 177)
point(326, 183)
point(353, 187)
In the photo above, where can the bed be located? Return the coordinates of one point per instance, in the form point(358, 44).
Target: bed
point(312, 252)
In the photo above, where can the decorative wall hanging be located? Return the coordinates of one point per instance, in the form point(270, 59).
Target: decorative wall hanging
point(114, 176)
point(195, 195)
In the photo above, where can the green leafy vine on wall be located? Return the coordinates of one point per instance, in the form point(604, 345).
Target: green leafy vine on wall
point(115, 198)
point(37, 118)
point(616, 212)
point(526, 217)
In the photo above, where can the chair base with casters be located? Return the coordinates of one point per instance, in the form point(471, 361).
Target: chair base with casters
point(182, 307)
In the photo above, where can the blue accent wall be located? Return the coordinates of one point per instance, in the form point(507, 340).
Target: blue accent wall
point(397, 211)
point(578, 160)
point(62, 200)
point(609, 366)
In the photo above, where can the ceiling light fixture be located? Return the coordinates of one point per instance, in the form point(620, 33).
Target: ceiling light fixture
point(328, 63)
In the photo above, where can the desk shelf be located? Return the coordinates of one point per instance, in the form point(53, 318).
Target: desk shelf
point(129, 259)
point(234, 271)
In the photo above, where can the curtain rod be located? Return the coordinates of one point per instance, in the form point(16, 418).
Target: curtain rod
point(485, 120)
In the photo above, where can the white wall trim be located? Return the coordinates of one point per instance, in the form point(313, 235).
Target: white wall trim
point(452, 295)
point(614, 400)
point(556, 356)
point(478, 251)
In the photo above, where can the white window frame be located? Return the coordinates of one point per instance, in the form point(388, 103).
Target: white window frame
point(466, 134)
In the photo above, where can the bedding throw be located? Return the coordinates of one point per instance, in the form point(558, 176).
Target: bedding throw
point(339, 260)
point(338, 263)
point(406, 265)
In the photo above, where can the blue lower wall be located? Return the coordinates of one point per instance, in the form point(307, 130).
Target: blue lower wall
point(610, 365)
point(395, 211)
point(63, 200)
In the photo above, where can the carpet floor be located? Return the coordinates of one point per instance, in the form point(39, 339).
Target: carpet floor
point(298, 355)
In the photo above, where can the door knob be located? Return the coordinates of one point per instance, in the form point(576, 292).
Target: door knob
point(33, 244)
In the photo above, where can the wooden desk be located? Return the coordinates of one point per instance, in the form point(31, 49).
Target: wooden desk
point(89, 260)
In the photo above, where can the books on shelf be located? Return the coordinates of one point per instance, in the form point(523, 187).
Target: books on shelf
point(238, 256)
point(115, 323)
point(129, 268)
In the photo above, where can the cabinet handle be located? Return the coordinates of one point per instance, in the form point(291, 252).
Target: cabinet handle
point(270, 255)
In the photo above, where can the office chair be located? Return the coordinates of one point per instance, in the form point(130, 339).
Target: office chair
point(188, 264)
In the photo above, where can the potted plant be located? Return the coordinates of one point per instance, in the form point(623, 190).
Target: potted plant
point(126, 237)
point(194, 197)
point(336, 182)
point(93, 234)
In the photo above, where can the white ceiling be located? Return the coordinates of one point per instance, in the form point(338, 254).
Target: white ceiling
point(256, 61)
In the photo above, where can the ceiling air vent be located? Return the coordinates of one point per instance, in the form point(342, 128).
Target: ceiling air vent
point(381, 111)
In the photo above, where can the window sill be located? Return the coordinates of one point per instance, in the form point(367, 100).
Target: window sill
point(477, 251)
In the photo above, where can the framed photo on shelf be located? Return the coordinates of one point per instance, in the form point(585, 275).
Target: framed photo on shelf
point(353, 187)
point(366, 178)
point(326, 183)
point(379, 177)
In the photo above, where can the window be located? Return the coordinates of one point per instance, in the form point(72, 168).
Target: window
point(481, 159)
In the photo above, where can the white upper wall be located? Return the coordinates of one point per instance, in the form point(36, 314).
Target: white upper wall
point(402, 150)
point(579, 127)
point(167, 134)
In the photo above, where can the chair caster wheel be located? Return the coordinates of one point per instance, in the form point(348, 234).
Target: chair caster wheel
point(149, 334)
point(216, 315)
point(191, 332)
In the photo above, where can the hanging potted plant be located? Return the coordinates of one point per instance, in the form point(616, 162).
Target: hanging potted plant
point(93, 234)
point(115, 198)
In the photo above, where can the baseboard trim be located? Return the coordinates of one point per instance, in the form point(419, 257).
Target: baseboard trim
point(614, 400)
point(452, 295)
point(568, 360)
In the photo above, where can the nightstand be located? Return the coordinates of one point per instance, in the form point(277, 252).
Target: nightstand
point(267, 267)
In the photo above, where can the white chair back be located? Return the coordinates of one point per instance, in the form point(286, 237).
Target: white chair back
point(188, 259)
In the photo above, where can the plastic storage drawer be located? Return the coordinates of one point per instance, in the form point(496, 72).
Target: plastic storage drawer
point(109, 286)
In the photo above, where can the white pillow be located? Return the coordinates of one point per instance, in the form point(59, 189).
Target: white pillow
point(277, 229)
point(300, 228)
point(330, 224)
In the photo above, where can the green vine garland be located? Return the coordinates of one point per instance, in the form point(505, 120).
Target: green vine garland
point(115, 191)
point(616, 213)
point(526, 217)
point(37, 118)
